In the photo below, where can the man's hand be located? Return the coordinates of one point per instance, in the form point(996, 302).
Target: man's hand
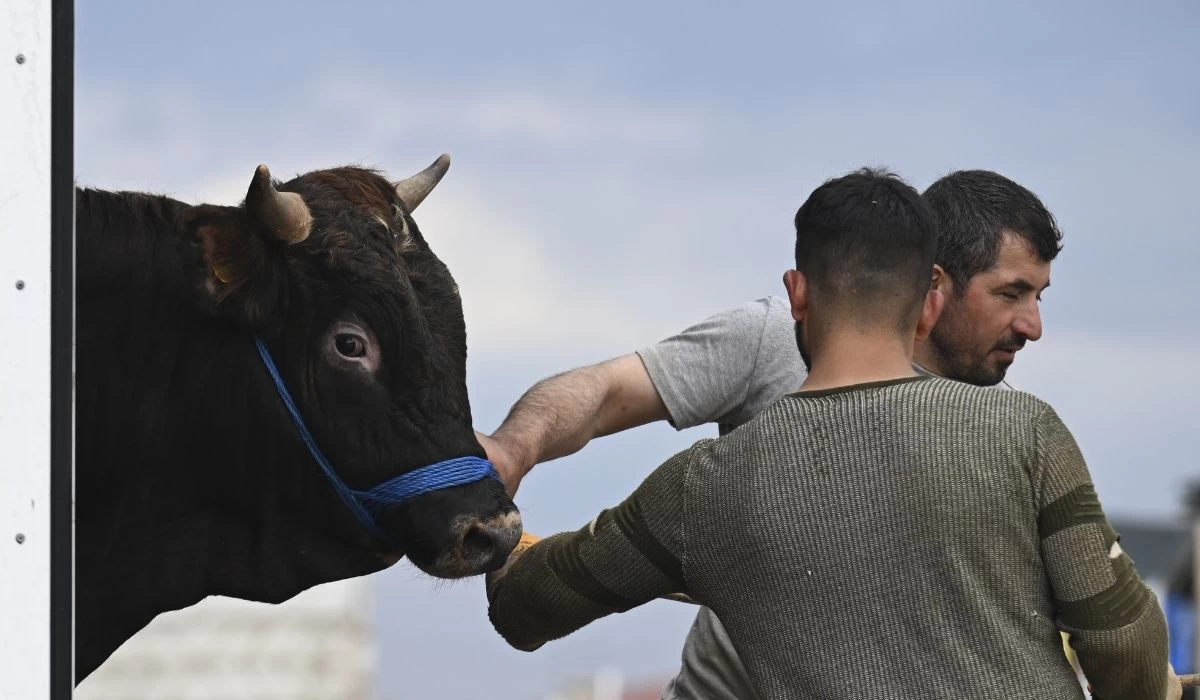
point(492, 578)
point(1174, 687)
point(505, 461)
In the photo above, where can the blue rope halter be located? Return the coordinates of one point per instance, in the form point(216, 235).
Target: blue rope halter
point(367, 504)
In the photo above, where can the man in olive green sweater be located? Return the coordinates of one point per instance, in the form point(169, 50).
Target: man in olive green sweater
point(877, 530)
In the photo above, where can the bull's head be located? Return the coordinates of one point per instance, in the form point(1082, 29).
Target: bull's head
point(366, 325)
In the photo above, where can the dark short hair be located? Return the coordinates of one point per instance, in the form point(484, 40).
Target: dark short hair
point(868, 240)
point(975, 209)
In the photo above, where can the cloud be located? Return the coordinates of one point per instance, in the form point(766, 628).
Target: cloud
point(527, 116)
point(519, 292)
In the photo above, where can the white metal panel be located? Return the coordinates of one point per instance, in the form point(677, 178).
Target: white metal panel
point(25, 31)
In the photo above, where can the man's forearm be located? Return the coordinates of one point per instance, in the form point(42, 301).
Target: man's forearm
point(561, 414)
point(627, 556)
point(555, 418)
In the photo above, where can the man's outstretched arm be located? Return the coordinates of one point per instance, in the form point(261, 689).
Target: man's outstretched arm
point(561, 414)
point(627, 556)
point(708, 372)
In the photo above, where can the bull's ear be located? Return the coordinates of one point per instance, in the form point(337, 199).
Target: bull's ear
point(242, 277)
point(242, 248)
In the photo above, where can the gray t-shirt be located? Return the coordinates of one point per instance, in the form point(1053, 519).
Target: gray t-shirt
point(723, 370)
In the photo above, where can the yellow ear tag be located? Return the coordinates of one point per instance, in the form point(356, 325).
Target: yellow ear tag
point(221, 276)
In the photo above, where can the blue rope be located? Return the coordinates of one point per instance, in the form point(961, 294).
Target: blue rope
point(444, 474)
point(366, 504)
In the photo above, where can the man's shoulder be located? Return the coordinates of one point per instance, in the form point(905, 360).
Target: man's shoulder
point(777, 304)
point(1002, 391)
point(985, 406)
point(930, 394)
point(727, 367)
point(746, 317)
point(769, 305)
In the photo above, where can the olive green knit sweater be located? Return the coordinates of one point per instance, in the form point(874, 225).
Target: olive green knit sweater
point(919, 538)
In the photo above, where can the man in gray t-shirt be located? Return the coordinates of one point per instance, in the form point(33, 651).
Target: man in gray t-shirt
point(996, 245)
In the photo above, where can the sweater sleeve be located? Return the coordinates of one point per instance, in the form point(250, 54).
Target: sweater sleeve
point(627, 556)
point(1117, 628)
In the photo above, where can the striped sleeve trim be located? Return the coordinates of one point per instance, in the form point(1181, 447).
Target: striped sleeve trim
point(632, 524)
point(1076, 507)
point(568, 565)
point(1118, 605)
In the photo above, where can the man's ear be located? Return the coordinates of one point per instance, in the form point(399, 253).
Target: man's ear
point(941, 281)
point(245, 274)
point(797, 289)
point(931, 311)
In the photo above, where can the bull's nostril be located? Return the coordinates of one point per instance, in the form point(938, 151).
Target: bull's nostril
point(476, 542)
point(484, 545)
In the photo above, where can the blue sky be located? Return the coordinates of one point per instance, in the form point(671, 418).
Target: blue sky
point(622, 170)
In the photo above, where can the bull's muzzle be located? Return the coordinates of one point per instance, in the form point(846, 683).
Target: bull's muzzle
point(483, 545)
point(473, 545)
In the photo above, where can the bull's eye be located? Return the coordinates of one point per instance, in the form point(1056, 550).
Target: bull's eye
point(349, 345)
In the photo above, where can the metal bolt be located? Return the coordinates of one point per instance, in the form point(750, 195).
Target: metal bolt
point(20, 284)
point(20, 538)
point(20, 58)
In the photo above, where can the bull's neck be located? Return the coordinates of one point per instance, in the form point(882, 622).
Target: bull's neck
point(183, 447)
point(165, 497)
point(176, 506)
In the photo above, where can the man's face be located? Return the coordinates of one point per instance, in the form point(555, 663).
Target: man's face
point(981, 330)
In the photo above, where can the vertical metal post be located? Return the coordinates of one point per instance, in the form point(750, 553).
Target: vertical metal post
point(62, 349)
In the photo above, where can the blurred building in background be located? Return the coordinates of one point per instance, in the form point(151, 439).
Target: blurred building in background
point(318, 646)
point(608, 684)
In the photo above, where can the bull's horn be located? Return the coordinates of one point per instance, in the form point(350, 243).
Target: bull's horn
point(283, 215)
point(415, 189)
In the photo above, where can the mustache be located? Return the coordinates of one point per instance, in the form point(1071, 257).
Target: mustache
point(1013, 342)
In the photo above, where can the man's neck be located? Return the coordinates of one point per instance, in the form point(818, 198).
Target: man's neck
point(926, 360)
point(850, 358)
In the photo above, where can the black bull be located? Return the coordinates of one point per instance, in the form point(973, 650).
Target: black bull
point(190, 478)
